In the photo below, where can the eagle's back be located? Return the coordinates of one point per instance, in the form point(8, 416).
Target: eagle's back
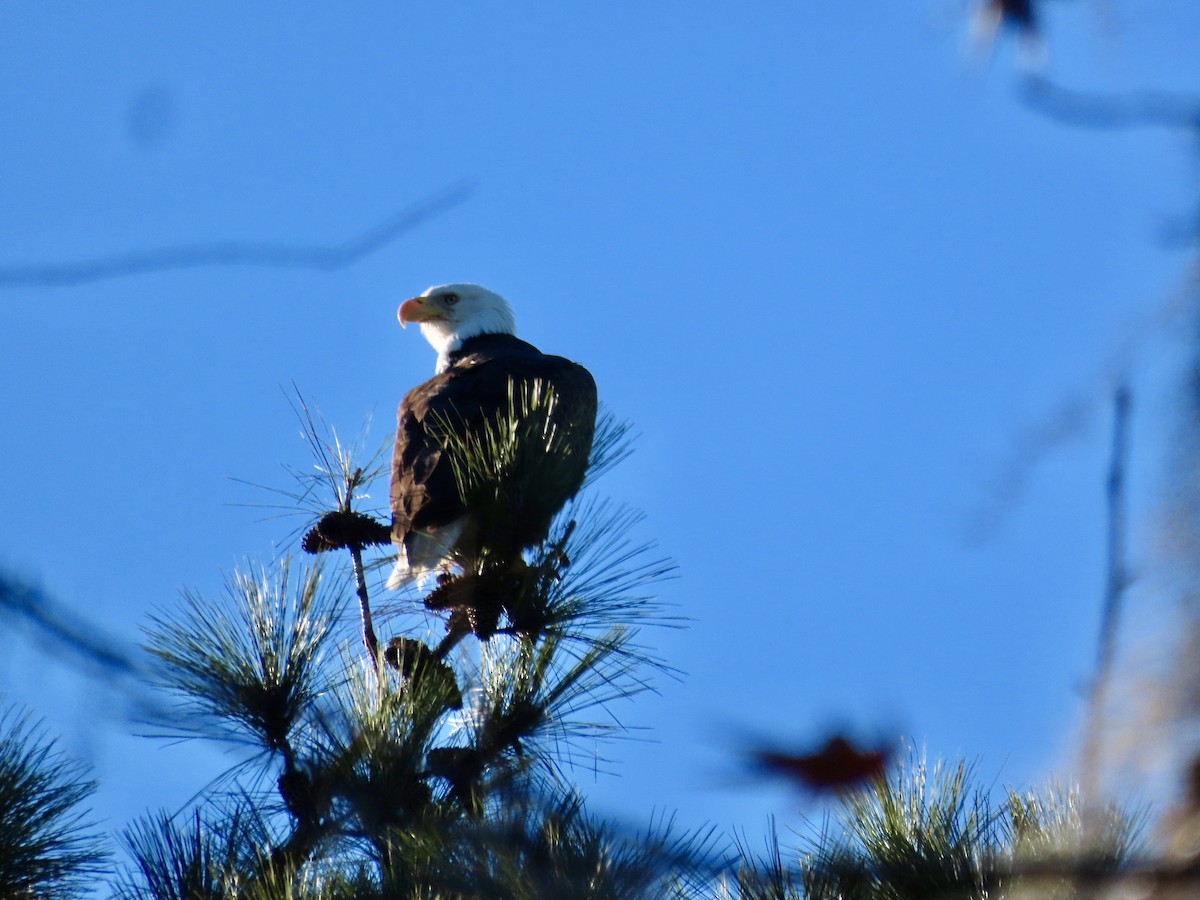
point(473, 393)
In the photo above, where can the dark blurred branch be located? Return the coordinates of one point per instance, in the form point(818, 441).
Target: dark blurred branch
point(54, 625)
point(1068, 420)
point(1116, 581)
point(238, 253)
point(77, 643)
point(1086, 110)
point(1073, 415)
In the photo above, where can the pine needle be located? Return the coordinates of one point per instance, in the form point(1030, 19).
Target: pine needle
point(252, 662)
point(47, 848)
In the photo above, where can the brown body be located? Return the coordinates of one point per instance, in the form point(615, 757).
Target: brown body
point(482, 388)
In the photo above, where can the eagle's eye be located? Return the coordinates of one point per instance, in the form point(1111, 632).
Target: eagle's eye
point(449, 299)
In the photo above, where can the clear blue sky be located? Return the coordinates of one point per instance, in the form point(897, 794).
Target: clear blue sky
point(832, 273)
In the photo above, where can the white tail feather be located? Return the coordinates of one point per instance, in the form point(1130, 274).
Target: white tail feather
point(423, 552)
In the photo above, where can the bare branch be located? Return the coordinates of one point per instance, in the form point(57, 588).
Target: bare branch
point(1073, 414)
point(1142, 109)
point(55, 625)
point(1116, 581)
point(238, 253)
point(72, 640)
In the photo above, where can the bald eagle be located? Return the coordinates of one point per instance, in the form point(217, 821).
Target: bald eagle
point(491, 447)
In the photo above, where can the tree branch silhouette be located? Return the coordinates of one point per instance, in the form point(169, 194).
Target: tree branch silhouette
point(1116, 580)
point(78, 643)
point(238, 253)
point(25, 602)
point(1086, 110)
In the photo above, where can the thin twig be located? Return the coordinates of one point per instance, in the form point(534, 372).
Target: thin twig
point(1114, 590)
point(238, 253)
point(364, 602)
point(1072, 415)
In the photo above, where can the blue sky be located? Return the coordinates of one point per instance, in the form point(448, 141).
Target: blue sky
point(833, 274)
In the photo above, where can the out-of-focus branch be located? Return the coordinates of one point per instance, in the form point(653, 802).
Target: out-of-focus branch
point(1087, 110)
point(55, 627)
point(1117, 578)
point(73, 641)
point(238, 253)
point(1071, 417)
point(1143, 109)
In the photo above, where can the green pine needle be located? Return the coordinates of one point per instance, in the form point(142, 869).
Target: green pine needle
point(342, 475)
point(930, 831)
point(540, 703)
point(611, 577)
point(613, 443)
point(342, 472)
point(1051, 826)
point(522, 445)
point(219, 859)
point(546, 846)
point(251, 663)
point(369, 744)
point(47, 849)
point(515, 470)
point(927, 832)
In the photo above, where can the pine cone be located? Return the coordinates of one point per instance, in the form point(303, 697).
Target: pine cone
point(479, 598)
point(461, 766)
point(297, 791)
point(312, 542)
point(416, 662)
point(345, 529)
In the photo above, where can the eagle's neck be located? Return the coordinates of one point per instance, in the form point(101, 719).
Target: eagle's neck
point(453, 345)
point(446, 347)
point(486, 347)
point(448, 335)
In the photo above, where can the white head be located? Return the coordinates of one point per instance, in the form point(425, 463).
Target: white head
point(451, 313)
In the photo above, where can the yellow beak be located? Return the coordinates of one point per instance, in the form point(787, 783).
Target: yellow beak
point(414, 310)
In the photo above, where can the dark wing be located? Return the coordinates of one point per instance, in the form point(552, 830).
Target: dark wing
point(554, 460)
point(424, 489)
point(467, 398)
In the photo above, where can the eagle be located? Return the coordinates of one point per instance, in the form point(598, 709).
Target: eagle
point(491, 447)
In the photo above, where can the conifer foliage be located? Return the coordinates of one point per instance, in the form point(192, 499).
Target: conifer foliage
point(47, 848)
point(437, 762)
point(930, 831)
